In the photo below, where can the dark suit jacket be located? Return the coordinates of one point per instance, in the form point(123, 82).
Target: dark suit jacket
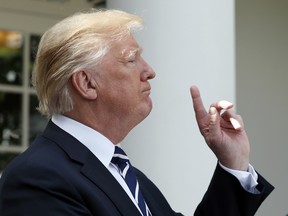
point(58, 176)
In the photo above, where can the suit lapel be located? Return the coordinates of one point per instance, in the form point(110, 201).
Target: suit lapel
point(93, 169)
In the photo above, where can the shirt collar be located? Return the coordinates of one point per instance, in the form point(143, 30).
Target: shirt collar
point(98, 144)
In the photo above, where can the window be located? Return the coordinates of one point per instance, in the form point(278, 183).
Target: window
point(20, 122)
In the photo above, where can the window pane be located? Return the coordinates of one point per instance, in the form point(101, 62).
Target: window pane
point(11, 57)
point(10, 118)
point(34, 41)
point(37, 121)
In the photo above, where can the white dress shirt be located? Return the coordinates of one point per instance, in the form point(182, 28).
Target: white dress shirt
point(103, 149)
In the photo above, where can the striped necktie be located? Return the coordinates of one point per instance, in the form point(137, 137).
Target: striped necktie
point(127, 172)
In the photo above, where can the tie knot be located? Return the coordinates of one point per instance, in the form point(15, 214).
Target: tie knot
point(120, 158)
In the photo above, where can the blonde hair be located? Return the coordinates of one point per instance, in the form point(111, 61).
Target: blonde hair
point(75, 43)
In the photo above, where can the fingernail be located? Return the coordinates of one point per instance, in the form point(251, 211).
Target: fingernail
point(225, 104)
point(235, 123)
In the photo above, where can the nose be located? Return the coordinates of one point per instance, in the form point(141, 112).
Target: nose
point(148, 72)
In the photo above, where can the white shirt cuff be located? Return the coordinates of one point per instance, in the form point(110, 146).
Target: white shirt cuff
point(248, 179)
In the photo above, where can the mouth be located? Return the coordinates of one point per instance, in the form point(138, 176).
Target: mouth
point(147, 90)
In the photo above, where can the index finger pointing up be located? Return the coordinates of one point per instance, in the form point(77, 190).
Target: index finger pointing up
point(199, 108)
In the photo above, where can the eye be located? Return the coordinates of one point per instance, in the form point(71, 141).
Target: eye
point(131, 60)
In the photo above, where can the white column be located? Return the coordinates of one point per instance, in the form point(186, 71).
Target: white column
point(186, 42)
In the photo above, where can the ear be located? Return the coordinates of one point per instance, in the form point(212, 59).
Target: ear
point(84, 84)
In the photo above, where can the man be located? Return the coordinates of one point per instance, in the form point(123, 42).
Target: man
point(93, 83)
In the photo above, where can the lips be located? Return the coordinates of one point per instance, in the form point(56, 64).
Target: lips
point(147, 89)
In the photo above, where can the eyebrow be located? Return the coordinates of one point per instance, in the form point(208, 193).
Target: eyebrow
point(132, 52)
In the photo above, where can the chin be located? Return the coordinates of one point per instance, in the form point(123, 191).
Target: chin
point(145, 111)
point(150, 104)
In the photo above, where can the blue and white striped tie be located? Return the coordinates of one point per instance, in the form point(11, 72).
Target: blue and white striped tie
point(121, 160)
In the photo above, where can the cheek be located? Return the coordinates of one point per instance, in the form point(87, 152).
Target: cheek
point(124, 85)
point(123, 92)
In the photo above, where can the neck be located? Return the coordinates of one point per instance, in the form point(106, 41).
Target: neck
point(112, 127)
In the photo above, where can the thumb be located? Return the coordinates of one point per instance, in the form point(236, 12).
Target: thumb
point(214, 124)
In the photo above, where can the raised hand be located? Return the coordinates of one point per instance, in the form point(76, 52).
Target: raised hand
point(223, 131)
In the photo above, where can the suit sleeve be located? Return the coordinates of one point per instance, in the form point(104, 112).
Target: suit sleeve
point(225, 196)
